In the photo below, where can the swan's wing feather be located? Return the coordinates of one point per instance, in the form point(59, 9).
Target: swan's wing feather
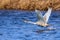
point(47, 15)
point(39, 15)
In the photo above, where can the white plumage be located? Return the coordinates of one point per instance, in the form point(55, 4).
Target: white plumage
point(42, 20)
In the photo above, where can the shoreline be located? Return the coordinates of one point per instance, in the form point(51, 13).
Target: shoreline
point(29, 4)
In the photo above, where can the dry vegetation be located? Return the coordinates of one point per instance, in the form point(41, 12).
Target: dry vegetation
point(30, 4)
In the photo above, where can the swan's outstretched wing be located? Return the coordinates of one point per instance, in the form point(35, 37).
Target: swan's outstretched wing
point(47, 15)
point(39, 15)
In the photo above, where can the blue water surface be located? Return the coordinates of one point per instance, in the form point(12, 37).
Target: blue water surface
point(13, 27)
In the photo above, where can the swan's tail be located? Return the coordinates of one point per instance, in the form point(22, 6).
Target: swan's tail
point(29, 22)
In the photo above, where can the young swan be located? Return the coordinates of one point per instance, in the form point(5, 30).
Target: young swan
point(42, 20)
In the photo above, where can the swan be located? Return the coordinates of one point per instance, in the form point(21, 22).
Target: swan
point(42, 19)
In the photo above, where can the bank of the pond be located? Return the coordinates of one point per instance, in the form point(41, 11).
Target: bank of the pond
point(29, 4)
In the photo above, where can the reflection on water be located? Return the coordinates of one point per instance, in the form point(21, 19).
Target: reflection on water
point(12, 26)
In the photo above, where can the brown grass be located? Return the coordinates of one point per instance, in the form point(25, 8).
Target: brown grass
point(30, 4)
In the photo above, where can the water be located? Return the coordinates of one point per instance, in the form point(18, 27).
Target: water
point(12, 26)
